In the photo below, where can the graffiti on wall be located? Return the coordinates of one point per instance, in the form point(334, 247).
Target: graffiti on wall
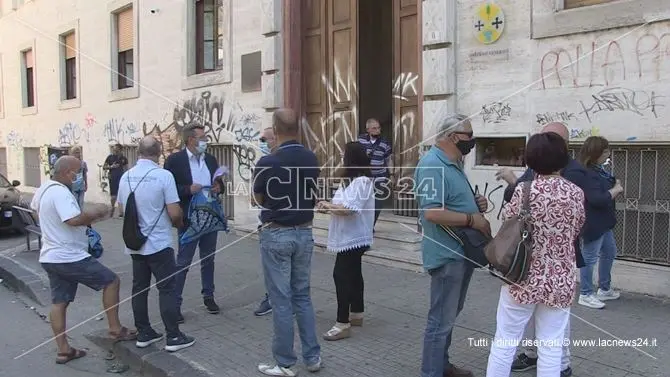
point(555, 116)
point(327, 135)
point(494, 195)
point(215, 114)
point(638, 102)
point(641, 58)
point(14, 139)
point(121, 131)
point(496, 112)
point(103, 178)
point(71, 134)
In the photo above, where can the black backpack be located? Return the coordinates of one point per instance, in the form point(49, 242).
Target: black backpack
point(132, 235)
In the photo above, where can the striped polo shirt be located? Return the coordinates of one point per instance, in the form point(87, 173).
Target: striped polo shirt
point(379, 152)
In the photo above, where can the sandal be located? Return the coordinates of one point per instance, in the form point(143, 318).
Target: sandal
point(337, 333)
point(124, 335)
point(66, 357)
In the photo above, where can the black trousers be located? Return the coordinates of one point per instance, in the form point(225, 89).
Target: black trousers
point(348, 277)
point(382, 192)
point(163, 267)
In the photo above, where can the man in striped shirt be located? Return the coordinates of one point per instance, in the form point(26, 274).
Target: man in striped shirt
point(379, 150)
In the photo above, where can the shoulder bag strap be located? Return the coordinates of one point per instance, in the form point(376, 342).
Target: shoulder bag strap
point(138, 185)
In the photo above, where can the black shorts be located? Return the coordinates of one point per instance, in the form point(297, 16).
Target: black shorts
point(65, 277)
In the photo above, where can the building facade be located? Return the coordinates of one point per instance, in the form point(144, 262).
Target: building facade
point(600, 66)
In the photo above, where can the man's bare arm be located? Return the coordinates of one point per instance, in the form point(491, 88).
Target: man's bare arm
point(443, 216)
point(87, 217)
point(176, 215)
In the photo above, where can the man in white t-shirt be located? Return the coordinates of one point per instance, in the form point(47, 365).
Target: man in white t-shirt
point(158, 211)
point(65, 258)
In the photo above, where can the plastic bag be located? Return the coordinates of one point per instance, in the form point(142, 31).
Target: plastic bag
point(205, 215)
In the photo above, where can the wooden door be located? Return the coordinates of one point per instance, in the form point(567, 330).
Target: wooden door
point(315, 103)
point(341, 80)
point(406, 86)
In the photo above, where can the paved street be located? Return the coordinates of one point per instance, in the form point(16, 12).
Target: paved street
point(389, 344)
point(23, 329)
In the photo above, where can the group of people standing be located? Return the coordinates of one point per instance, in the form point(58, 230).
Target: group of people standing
point(161, 197)
point(572, 211)
point(571, 204)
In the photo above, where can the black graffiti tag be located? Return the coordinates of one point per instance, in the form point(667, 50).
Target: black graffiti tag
point(489, 197)
point(246, 155)
point(622, 99)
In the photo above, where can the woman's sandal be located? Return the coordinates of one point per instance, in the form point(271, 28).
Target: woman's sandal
point(66, 357)
point(124, 335)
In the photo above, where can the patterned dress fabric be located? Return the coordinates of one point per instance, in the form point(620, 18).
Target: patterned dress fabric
point(557, 212)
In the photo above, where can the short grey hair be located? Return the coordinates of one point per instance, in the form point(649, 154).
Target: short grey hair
point(451, 124)
point(149, 147)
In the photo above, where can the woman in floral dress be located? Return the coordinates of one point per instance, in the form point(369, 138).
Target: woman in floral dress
point(557, 213)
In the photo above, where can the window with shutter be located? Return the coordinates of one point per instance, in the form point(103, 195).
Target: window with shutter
point(571, 4)
point(125, 42)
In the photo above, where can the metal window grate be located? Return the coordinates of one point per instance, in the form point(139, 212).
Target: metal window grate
point(642, 232)
point(225, 156)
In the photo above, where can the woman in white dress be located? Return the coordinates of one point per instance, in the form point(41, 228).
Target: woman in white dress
point(350, 235)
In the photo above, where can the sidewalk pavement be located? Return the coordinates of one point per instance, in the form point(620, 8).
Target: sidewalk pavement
point(235, 341)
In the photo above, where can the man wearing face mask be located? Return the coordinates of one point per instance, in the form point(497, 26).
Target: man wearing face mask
point(65, 258)
point(267, 144)
point(193, 169)
point(445, 198)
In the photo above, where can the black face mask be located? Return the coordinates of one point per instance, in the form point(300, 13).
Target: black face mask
point(465, 146)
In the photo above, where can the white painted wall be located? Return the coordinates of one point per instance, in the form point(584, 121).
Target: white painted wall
point(97, 122)
point(616, 86)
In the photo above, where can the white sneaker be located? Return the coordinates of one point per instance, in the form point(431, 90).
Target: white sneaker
point(590, 301)
point(314, 367)
point(607, 295)
point(275, 370)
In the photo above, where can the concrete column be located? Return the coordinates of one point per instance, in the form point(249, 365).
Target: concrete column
point(438, 61)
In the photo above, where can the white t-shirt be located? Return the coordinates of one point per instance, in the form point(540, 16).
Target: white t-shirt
point(156, 190)
point(61, 243)
point(355, 230)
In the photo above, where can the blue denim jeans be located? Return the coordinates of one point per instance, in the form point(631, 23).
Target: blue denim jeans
point(286, 254)
point(602, 250)
point(448, 288)
point(185, 255)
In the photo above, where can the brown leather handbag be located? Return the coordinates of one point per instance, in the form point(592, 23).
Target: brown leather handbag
point(510, 250)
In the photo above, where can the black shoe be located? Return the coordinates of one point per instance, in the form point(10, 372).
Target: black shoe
point(179, 343)
point(212, 307)
point(567, 372)
point(146, 339)
point(180, 318)
point(523, 363)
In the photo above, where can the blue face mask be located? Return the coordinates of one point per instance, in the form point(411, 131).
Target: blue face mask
point(202, 146)
point(265, 148)
point(78, 182)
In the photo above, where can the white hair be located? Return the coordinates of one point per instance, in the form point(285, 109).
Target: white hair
point(454, 123)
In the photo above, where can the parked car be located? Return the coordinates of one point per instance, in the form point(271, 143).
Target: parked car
point(10, 196)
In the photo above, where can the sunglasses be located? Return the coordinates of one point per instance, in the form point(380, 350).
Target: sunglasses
point(263, 140)
point(468, 134)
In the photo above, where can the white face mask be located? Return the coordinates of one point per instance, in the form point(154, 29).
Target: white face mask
point(202, 146)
